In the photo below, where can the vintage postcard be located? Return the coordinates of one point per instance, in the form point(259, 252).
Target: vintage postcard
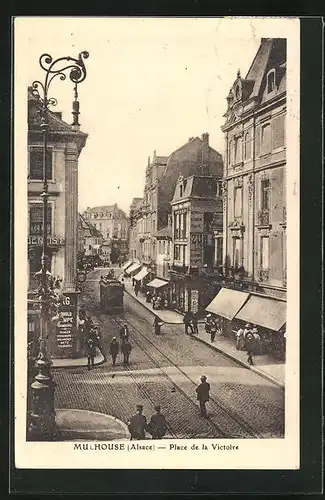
point(156, 202)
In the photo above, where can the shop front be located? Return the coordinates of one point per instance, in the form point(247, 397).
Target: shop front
point(142, 278)
point(268, 316)
point(225, 306)
point(191, 294)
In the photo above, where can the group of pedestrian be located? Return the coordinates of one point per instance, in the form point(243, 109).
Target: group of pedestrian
point(90, 337)
point(125, 346)
point(249, 340)
point(138, 425)
point(212, 326)
point(190, 321)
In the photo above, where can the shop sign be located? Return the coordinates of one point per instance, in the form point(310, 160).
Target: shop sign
point(185, 299)
point(65, 337)
point(196, 257)
point(194, 301)
point(197, 239)
point(196, 222)
point(52, 240)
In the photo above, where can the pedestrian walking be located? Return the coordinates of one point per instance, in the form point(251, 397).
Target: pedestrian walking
point(137, 424)
point(202, 392)
point(95, 335)
point(157, 325)
point(195, 324)
point(91, 353)
point(114, 349)
point(249, 347)
point(213, 330)
point(240, 343)
point(207, 322)
point(157, 426)
point(126, 349)
point(124, 333)
point(187, 322)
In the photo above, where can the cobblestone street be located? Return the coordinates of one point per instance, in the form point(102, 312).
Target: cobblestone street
point(165, 370)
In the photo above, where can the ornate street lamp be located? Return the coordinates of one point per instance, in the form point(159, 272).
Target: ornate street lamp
point(42, 419)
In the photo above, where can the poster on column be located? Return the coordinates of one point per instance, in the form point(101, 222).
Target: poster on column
point(174, 94)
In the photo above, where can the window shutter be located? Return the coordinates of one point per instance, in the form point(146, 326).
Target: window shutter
point(36, 164)
point(278, 131)
point(276, 257)
point(36, 219)
point(277, 194)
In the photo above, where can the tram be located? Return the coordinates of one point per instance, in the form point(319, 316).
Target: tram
point(111, 294)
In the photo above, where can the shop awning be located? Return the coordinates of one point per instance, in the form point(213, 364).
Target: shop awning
point(157, 283)
point(141, 274)
point(133, 268)
point(264, 311)
point(127, 264)
point(227, 303)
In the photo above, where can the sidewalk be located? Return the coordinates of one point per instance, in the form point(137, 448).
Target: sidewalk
point(167, 316)
point(77, 362)
point(264, 365)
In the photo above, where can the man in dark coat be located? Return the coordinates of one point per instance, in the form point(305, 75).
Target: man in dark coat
point(137, 424)
point(124, 333)
point(157, 426)
point(195, 324)
point(126, 350)
point(91, 353)
point(187, 321)
point(157, 325)
point(203, 395)
point(113, 349)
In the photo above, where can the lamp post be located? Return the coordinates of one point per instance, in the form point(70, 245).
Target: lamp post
point(42, 419)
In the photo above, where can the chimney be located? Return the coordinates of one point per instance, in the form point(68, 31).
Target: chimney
point(205, 154)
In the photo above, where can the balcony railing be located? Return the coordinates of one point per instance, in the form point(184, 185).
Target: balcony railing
point(263, 217)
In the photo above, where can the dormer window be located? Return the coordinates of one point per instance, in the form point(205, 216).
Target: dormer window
point(271, 81)
point(237, 92)
point(181, 190)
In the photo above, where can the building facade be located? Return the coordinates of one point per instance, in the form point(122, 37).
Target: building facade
point(65, 144)
point(197, 241)
point(153, 213)
point(113, 224)
point(254, 187)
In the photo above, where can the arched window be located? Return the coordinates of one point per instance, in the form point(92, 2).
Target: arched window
point(237, 92)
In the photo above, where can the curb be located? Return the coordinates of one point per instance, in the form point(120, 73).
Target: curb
point(244, 364)
point(83, 365)
point(233, 358)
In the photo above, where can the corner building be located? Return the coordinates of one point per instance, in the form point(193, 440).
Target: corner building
point(64, 147)
point(254, 185)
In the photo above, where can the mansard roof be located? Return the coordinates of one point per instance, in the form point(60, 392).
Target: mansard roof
point(196, 186)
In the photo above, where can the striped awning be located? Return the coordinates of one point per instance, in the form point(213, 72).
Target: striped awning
point(264, 311)
point(127, 264)
point(157, 283)
point(227, 303)
point(133, 268)
point(141, 274)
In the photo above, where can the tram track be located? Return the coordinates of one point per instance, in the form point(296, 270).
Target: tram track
point(228, 426)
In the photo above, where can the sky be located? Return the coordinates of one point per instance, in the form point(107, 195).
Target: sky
point(151, 84)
